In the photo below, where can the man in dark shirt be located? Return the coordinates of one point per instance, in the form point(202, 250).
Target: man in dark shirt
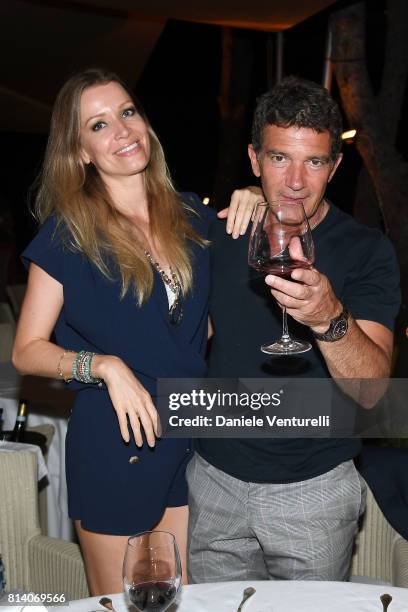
point(288, 508)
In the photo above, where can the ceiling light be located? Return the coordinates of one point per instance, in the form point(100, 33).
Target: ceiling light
point(349, 135)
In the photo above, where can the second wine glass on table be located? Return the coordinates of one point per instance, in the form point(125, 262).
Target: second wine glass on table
point(281, 241)
point(152, 571)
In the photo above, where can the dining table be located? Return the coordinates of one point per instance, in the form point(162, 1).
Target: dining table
point(269, 596)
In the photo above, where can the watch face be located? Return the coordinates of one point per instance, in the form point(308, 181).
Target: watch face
point(340, 328)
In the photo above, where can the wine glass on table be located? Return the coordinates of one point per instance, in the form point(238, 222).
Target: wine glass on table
point(152, 571)
point(280, 242)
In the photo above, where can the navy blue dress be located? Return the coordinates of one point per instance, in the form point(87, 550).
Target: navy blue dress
point(105, 491)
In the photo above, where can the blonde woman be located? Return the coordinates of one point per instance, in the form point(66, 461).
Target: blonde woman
point(119, 272)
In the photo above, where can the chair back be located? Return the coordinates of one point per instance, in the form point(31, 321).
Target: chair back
point(18, 513)
point(373, 556)
point(33, 562)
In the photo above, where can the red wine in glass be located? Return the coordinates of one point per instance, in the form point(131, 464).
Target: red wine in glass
point(151, 571)
point(281, 241)
point(152, 596)
point(283, 268)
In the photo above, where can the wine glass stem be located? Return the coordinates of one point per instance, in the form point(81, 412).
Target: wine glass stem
point(285, 332)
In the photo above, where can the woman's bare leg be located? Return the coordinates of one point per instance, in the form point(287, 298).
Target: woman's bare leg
point(103, 556)
point(175, 520)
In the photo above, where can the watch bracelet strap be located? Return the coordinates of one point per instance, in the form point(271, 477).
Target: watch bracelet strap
point(325, 337)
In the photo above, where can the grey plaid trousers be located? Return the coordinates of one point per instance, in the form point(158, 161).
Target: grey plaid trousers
point(251, 531)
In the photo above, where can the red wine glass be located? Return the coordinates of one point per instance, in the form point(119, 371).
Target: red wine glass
point(281, 241)
point(151, 571)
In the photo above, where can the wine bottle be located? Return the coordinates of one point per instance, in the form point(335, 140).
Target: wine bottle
point(19, 427)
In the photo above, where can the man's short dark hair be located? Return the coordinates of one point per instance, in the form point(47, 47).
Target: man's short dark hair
point(300, 103)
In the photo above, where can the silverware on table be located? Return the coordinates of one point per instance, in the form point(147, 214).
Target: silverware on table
point(385, 600)
point(106, 602)
point(248, 592)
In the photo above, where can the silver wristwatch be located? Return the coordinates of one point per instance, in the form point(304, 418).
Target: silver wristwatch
point(337, 329)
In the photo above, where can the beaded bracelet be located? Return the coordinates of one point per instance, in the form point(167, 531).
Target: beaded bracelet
point(81, 368)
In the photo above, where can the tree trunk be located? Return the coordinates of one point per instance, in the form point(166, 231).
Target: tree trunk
point(376, 119)
point(365, 208)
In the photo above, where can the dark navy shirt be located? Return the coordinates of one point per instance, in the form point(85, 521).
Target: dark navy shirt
point(362, 268)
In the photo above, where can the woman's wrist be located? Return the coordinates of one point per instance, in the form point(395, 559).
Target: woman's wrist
point(64, 367)
point(85, 366)
point(79, 366)
point(101, 366)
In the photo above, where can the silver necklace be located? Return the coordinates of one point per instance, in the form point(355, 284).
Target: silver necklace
point(176, 309)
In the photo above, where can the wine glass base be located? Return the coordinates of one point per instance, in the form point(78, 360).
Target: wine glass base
point(286, 347)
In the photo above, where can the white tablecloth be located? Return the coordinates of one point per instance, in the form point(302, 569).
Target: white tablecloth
point(7, 447)
point(50, 402)
point(273, 596)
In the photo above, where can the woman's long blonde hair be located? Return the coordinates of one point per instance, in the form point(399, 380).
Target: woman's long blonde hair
point(76, 194)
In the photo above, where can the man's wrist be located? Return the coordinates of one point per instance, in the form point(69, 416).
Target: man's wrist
point(324, 326)
point(337, 329)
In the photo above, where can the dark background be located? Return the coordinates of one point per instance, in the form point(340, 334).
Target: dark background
point(179, 88)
